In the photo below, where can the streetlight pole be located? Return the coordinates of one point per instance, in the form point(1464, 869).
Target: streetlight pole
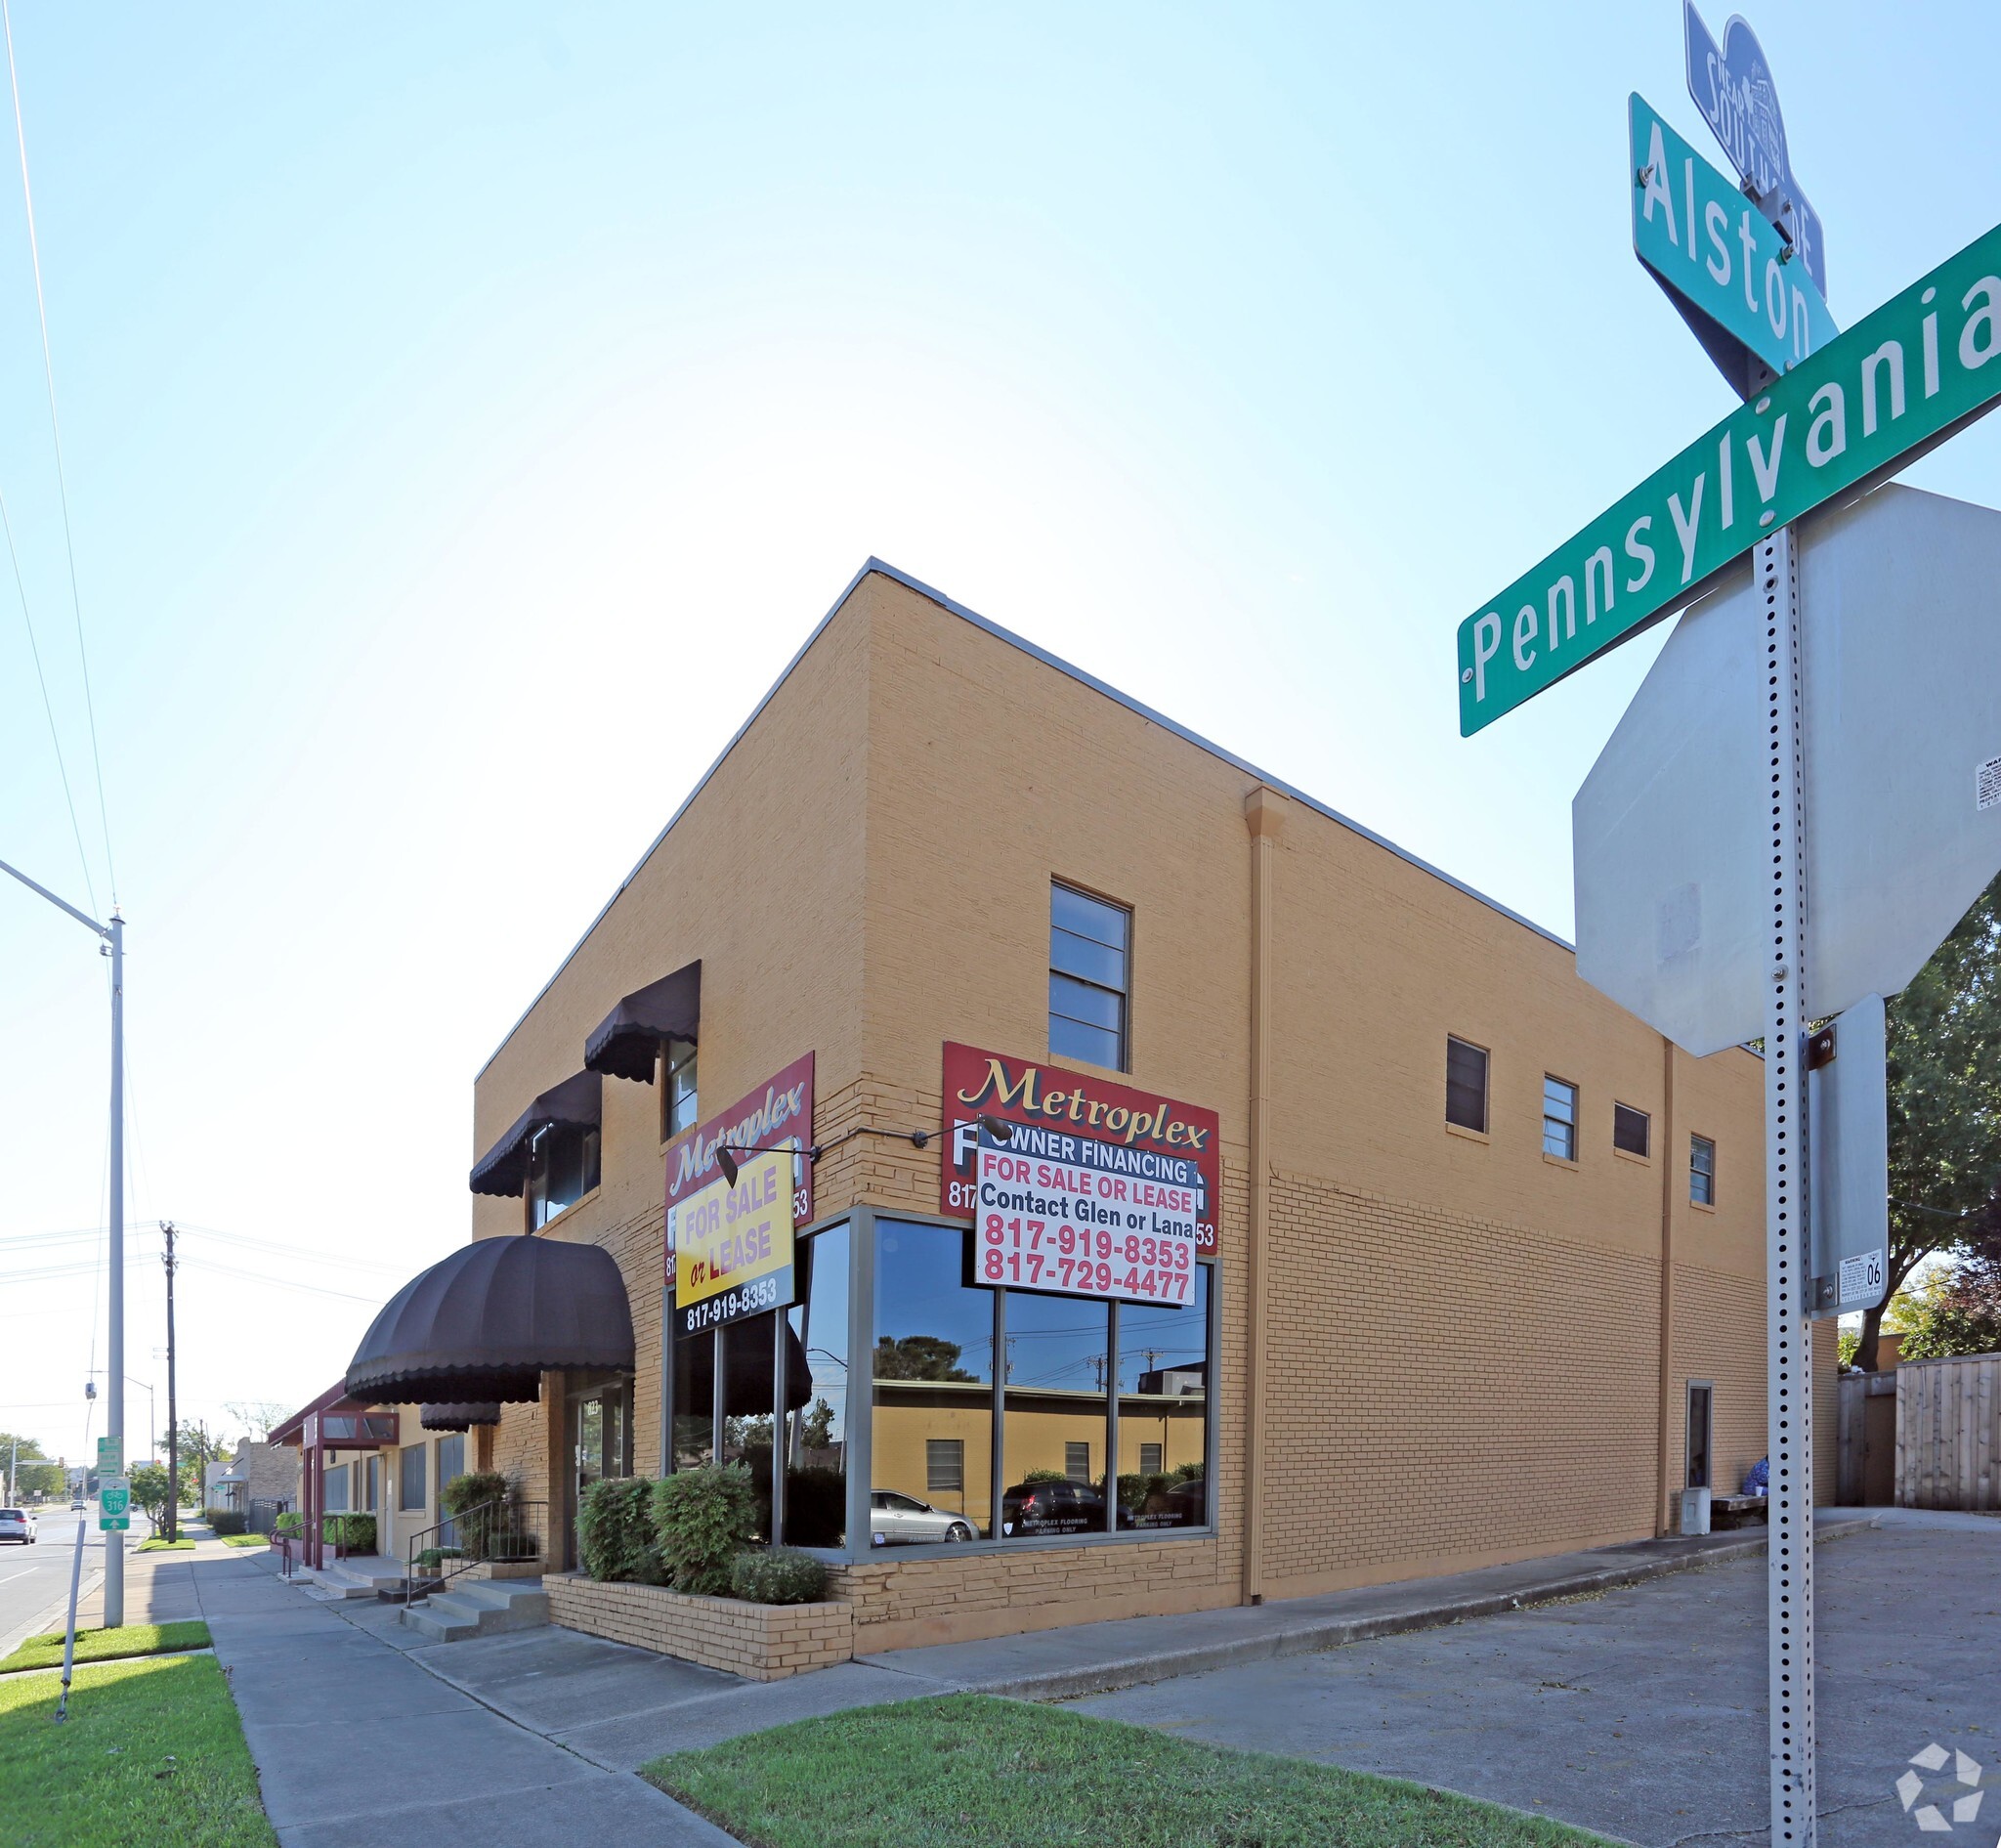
point(113, 934)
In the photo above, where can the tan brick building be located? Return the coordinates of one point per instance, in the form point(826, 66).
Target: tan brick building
point(1419, 1345)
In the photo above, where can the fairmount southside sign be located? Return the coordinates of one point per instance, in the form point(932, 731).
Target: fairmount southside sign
point(1895, 383)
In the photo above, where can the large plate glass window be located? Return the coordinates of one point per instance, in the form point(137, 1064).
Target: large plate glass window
point(933, 1381)
point(1089, 977)
point(1163, 1411)
point(817, 1424)
point(1058, 1355)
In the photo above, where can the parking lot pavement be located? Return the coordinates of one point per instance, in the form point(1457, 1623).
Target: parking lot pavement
point(1641, 1712)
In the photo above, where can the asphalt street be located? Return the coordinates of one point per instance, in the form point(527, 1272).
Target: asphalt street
point(32, 1578)
point(1641, 1712)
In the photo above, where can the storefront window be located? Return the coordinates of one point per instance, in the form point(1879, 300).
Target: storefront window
point(933, 1391)
point(1058, 1363)
point(694, 1400)
point(1163, 1411)
point(817, 1396)
point(747, 1404)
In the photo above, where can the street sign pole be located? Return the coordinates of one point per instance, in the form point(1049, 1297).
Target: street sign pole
point(1789, 1335)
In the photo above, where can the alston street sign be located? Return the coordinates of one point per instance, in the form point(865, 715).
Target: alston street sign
point(1898, 381)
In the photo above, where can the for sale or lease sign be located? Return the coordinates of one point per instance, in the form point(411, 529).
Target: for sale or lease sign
point(1070, 1215)
point(779, 1113)
point(733, 1246)
point(1147, 1137)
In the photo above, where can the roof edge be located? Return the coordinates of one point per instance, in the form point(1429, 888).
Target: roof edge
point(881, 566)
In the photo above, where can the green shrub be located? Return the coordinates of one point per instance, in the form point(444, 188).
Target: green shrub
point(294, 1523)
point(615, 1531)
point(777, 1575)
point(473, 1490)
point(1032, 1476)
point(224, 1522)
point(462, 1499)
point(355, 1533)
point(703, 1517)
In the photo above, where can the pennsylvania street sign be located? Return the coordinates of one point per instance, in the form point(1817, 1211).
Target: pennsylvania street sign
point(1867, 402)
point(1732, 87)
point(1730, 274)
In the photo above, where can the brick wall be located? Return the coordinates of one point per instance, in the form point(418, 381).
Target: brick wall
point(763, 1642)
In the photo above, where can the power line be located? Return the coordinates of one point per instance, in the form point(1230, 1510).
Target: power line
point(34, 649)
point(55, 435)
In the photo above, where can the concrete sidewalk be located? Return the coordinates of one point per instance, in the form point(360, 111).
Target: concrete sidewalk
point(357, 1747)
point(620, 1706)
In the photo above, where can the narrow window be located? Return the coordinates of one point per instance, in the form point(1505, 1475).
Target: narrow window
point(944, 1466)
point(1701, 1419)
point(1076, 1461)
point(1089, 942)
point(1559, 1119)
point(1465, 1085)
point(678, 1106)
point(1629, 1129)
point(1702, 1171)
point(562, 1168)
point(1150, 1457)
point(410, 1473)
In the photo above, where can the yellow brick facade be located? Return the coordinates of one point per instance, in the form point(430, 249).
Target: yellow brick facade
point(1460, 1356)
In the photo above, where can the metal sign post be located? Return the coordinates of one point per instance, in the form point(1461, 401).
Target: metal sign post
point(1789, 1336)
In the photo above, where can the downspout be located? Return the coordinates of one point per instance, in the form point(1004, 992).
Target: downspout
point(1665, 1437)
point(1264, 814)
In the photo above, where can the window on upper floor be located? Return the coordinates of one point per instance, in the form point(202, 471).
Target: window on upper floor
point(1630, 1129)
point(1702, 1171)
point(678, 1106)
point(1560, 1118)
point(1089, 977)
point(1465, 1085)
point(562, 1168)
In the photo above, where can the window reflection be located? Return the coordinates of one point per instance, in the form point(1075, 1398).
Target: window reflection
point(817, 1394)
point(1058, 1365)
point(1163, 1411)
point(933, 1384)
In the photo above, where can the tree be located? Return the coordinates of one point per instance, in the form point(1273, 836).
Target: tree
point(34, 1473)
point(919, 1357)
point(816, 1429)
point(257, 1416)
point(1955, 1311)
point(1944, 1103)
point(197, 1448)
point(150, 1490)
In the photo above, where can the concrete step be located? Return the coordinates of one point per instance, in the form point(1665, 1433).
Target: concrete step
point(362, 1576)
point(479, 1607)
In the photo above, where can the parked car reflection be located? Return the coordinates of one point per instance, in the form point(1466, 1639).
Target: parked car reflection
point(1051, 1505)
point(899, 1519)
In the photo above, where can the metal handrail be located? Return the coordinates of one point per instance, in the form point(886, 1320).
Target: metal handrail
point(501, 1531)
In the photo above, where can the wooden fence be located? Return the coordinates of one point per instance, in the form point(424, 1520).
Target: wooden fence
point(1949, 1432)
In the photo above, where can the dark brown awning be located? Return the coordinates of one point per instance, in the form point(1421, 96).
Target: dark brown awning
point(577, 1101)
point(490, 1320)
point(626, 1041)
point(458, 1417)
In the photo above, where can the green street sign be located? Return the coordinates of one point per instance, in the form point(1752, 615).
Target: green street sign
point(115, 1505)
point(1722, 262)
point(1897, 383)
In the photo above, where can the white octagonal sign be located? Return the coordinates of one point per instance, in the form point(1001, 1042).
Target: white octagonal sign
point(1900, 646)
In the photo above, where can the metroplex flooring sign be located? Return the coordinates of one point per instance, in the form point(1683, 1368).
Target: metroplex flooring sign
point(779, 1113)
point(1143, 1137)
point(1064, 1213)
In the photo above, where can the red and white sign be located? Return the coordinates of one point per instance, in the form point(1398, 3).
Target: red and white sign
point(1079, 1217)
point(1154, 1137)
point(778, 1114)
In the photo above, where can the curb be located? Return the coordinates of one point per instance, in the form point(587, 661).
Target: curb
point(1311, 1637)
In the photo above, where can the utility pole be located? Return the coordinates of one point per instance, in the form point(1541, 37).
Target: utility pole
point(173, 1417)
point(113, 946)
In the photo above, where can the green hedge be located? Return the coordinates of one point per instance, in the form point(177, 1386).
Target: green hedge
point(615, 1532)
point(777, 1575)
point(701, 1518)
point(224, 1522)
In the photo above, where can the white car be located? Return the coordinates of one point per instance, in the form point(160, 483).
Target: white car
point(898, 1520)
point(17, 1524)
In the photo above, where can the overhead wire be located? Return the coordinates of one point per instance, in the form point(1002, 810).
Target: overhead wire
point(56, 436)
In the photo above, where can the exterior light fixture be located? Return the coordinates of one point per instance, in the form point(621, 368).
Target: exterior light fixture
point(999, 1128)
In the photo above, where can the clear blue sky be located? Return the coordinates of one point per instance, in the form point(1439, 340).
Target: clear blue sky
point(469, 408)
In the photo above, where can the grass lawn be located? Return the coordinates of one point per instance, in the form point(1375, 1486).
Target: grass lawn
point(244, 1539)
point(968, 1771)
point(97, 1646)
point(152, 1753)
point(165, 1546)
